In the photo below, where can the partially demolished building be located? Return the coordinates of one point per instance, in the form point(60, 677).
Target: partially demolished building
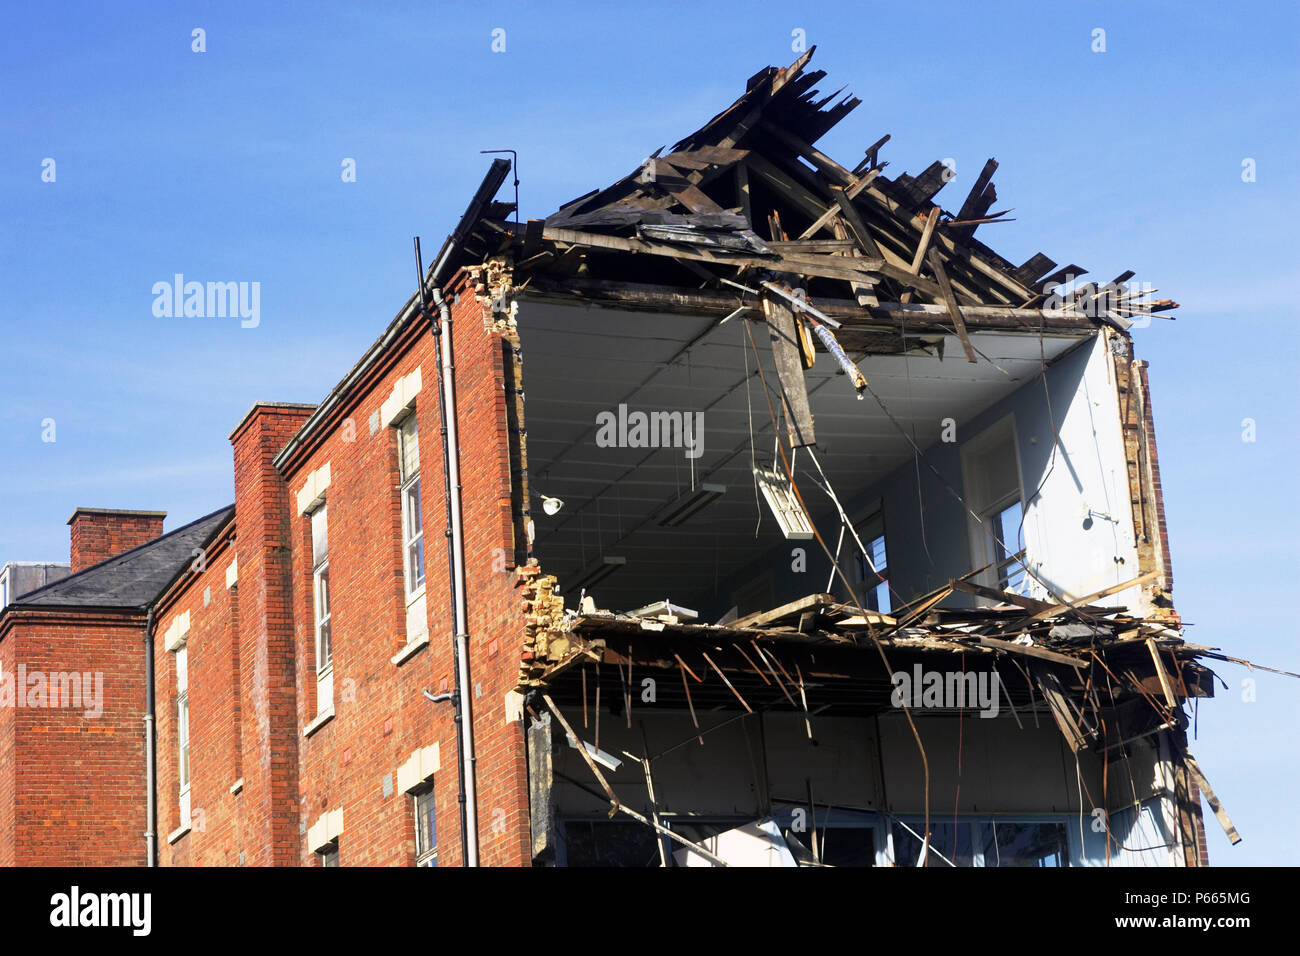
point(787, 524)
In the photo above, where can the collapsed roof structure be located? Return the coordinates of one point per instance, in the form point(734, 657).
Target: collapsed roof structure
point(859, 283)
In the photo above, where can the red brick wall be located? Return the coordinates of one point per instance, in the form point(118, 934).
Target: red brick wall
point(267, 699)
point(216, 836)
point(74, 785)
point(381, 713)
point(100, 535)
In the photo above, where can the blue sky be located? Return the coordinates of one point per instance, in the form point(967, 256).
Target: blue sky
point(225, 165)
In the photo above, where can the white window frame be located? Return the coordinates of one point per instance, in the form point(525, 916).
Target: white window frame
point(416, 620)
point(183, 768)
point(322, 614)
point(425, 854)
point(411, 502)
point(988, 503)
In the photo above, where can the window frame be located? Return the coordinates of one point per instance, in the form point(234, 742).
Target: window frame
point(183, 765)
point(989, 503)
point(421, 799)
point(870, 528)
point(411, 504)
point(322, 624)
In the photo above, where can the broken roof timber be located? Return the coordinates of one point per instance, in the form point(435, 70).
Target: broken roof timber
point(671, 233)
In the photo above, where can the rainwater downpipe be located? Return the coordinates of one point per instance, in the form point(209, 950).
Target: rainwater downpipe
point(150, 754)
point(463, 694)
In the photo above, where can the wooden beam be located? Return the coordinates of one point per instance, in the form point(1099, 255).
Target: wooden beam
point(1089, 598)
point(945, 288)
point(763, 618)
point(1220, 814)
point(827, 266)
point(1024, 650)
point(1050, 686)
point(1165, 686)
point(824, 163)
point(787, 355)
point(822, 221)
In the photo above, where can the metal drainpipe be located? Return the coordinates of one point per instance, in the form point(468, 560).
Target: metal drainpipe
point(150, 753)
point(464, 693)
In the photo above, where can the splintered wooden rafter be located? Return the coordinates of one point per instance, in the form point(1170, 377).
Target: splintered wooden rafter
point(687, 218)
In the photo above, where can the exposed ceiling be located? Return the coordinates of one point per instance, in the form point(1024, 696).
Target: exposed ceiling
point(582, 361)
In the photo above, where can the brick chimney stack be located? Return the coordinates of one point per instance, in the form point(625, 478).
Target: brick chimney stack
point(102, 533)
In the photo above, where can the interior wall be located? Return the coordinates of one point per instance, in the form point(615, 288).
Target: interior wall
point(927, 530)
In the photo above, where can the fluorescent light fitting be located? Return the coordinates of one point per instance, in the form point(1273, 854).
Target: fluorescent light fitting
point(606, 760)
point(785, 506)
point(688, 504)
point(597, 572)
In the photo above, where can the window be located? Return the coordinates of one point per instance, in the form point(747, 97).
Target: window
point(873, 574)
point(426, 829)
point(329, 855)
point(412, 521)
point(320, 574)
point(991, 474)
point(183, 731)
point(1005, 524)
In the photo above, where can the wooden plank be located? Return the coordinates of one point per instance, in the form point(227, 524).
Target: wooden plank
point(742, 193)
point(1024, 650)
point(1089, 598)
point(856, 226)
point(979, 590)
point(921, 248)
point(977, 202)
point(950, 300)
point(1165, 686)
point(763, 618)
point(1050, 686)
point(1035, 267)
point(822, 221)
point(1220, 814)
point(830, 267)
point(824, 163)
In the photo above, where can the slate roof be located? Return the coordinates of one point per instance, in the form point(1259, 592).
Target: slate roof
point(135, 578)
